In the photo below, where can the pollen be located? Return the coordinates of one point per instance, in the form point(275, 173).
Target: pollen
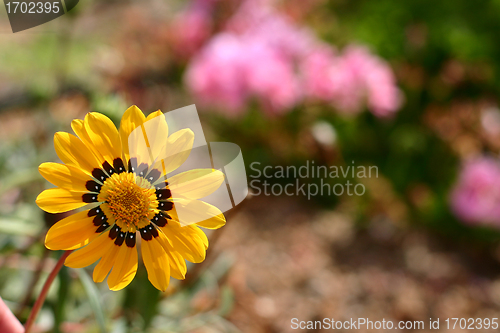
point(130, 201)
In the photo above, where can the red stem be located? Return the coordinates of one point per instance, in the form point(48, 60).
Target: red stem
point(43, 294)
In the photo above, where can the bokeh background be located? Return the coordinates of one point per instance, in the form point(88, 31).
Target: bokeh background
point(410, 87)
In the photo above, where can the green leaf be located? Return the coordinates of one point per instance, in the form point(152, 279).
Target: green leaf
point(226, 301)
point(16, 226)
point(93, 295)
point(62, 295)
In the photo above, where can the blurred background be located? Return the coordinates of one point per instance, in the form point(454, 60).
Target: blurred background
point(410, 87)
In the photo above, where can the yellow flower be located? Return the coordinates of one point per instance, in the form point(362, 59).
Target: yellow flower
point(127, 200)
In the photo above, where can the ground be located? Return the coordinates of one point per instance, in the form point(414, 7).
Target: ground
point(292, 262)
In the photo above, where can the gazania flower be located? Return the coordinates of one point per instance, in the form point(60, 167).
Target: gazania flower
point(117, 181)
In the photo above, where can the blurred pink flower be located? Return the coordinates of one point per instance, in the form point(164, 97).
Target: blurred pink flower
point(271, 78)
point(350, 80)
point(476, 196)
point(247, 61)
point(249, 14)
point(258, 20)
point(216, 76)
point(279, 63)
point(347, 75)
point(384, 97)
point(192, 28)
point(232, 69)
point(316, 70)
point(358, 77)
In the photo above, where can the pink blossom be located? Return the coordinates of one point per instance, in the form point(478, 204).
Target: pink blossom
point(257, 20)
point(232, 69)
point(192, 28)
point(476, 196)
point(384, 97)
point(249, 14)
point(351, 80)
point(359, 74)
point(348, 84)
point(336, 79)
point(216, 75)
point(263, 55)
point(262, 49)
point(316, 68)
point(271, 78)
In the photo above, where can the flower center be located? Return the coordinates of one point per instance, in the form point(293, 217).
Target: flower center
point(130, 200)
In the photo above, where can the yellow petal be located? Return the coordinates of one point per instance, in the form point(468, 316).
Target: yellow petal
point(65, 176)
point(132, 118)
point(146, 142)
point(176, 151)
point(156, 262)
point(186, 241)
point(178, 267)
point(201, 235)
point(195, 184)
point(138, 147)
point(124, 269)
point(154, 114)
point(90, 253)
point(72, 232)
point(71, 150)
point(58, 200)
point(213, 223)
point(201, 209)
point(188, 212)
point(104, 136)
point(79, 128)
point(107, 261)
point(156, 130)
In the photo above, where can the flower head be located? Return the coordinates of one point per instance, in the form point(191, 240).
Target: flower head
point(350, 80)
point(245, 62)
point(476, 196)
point(118, 180)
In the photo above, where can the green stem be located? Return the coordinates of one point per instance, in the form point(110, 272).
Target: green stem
point(43, 294)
